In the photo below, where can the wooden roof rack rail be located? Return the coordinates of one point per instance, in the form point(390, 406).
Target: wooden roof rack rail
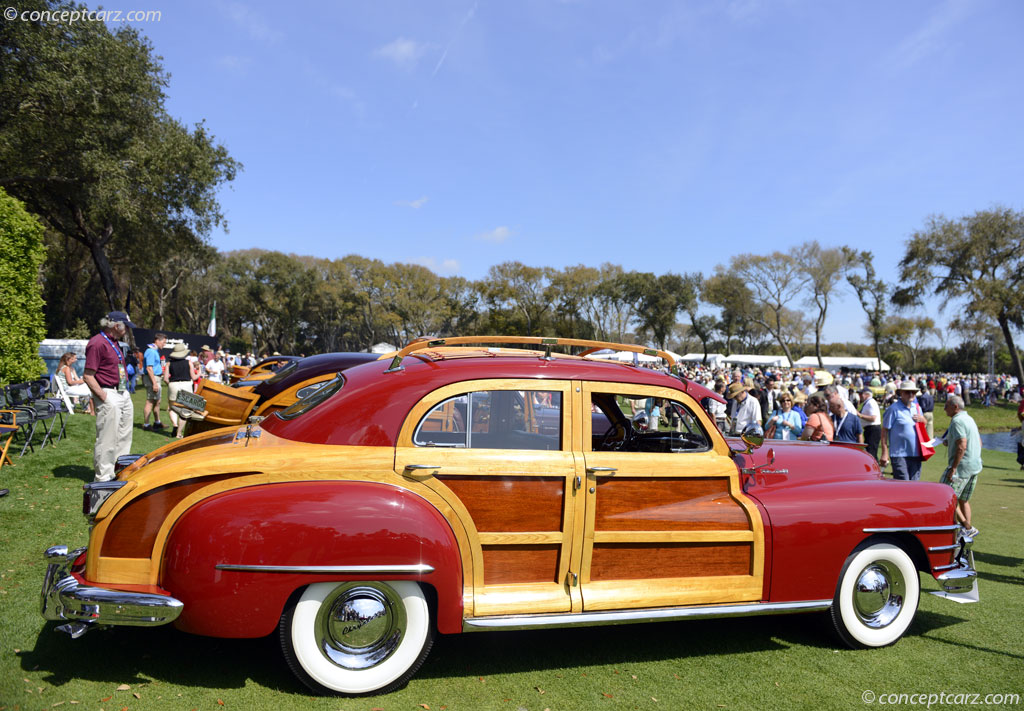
point(590, 346)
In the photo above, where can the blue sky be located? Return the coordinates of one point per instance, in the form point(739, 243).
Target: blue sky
point(659, 136)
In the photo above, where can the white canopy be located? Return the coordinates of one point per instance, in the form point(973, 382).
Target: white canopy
point(715, 360)
point(624, 356)
point(837, 362)
point(778, 361)
point(383, 348)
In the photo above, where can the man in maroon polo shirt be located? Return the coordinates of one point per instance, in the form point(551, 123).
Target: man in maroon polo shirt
point(106, 376)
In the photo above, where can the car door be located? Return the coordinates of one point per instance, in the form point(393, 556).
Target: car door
point(664, 521)
point(499, 453)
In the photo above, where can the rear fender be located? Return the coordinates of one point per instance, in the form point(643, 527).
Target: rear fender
point(292, 526)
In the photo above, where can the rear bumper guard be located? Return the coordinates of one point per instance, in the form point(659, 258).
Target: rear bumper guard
point(85, 607)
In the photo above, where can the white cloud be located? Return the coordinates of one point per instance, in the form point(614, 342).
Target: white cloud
point(495, 236)
point(235, 64)
point(405, 53)
point(414, 204)
point(446, 267)
point(252, 22)
point(932, 35)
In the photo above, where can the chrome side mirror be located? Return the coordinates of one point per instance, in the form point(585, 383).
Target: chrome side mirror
point(753, 436)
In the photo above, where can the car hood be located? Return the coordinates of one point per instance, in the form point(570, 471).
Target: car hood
point(796, 463)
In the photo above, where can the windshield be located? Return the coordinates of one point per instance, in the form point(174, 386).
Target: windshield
point(309, 402)
point(279, 375)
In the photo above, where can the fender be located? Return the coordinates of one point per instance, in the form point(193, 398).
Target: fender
point(296, 524)
point(814, 528)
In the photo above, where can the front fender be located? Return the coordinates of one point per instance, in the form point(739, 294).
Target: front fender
point(295, 525)
point(814, 527)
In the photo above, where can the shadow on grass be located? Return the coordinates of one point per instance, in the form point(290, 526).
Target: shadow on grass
point(128, 655)
point(995, 559)
point(73, 471)
point(135, 656)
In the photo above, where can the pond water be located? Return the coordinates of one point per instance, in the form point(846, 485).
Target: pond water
point(999, 441)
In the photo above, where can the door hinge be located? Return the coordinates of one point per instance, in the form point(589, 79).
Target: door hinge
point(571, 579)
point(577, 482)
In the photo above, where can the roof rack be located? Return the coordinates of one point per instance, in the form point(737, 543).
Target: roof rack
point(590, 346)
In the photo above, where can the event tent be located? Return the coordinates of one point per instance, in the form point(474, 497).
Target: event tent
point(838, 362)
point(624, 356)
point(715, 360)
point(777, 361)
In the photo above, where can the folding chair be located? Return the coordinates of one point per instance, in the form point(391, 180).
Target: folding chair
point(41, 400)
point(8, 428)
point(17, 398)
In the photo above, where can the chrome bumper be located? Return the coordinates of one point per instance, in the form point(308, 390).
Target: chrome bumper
point(961, 576)
point(85, 607)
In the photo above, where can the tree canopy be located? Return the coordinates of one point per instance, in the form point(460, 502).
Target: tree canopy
point(976, 261)
point(21, 305)
point(92, 150)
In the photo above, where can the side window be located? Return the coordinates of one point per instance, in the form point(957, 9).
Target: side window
point(494, 419)
point(638, 423)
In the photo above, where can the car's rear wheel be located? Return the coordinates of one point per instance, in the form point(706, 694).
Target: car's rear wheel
point(877, 596)
point(357, 638)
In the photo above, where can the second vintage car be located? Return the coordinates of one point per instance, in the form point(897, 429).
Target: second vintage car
point(458, 487)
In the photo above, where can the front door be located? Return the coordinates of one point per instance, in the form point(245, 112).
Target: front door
point(665, 521)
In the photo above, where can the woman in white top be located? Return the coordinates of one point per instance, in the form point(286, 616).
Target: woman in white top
point(871, 417)
point(73, 385)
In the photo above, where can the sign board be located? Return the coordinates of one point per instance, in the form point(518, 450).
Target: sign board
point(190, 401)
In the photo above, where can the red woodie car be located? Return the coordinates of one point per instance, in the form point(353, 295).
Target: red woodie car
point(463, 488)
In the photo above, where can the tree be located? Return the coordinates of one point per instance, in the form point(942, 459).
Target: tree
point(661, 299)
point(729, 294)
point(872, 292)
point(823, 268)
point(977, 260)
point(21, 302)
point(519, 296)
point(701, 325)
point(774, 281)
point(90, 147)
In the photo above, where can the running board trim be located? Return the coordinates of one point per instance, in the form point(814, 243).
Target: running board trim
point(625, 617)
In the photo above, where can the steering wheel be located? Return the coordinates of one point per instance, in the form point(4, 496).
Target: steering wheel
point(608, 441)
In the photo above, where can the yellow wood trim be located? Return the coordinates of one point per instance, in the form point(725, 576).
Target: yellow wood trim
point(669, 592)
point(673, 536)
point(130, 571)
point(515, 599)
point(579, 497)
point(520, 538)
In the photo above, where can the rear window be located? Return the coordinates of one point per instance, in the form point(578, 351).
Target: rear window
point(321, 394)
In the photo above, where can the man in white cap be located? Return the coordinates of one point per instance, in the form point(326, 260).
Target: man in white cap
point(899, 434)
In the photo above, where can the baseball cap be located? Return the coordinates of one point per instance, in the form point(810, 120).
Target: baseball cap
point(121, 317)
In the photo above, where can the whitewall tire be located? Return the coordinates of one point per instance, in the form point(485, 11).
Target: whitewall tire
point(877, 596)
point(357, 638)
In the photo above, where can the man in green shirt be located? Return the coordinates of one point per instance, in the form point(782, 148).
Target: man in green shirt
point(964, 462)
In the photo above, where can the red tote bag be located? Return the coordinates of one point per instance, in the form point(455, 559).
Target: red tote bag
point(922, 439)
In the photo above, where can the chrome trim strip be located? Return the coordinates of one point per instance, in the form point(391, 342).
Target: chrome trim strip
point(913, 529)
point(417, 569)
point(950, 547)
point(945, 567)
point(622, 617)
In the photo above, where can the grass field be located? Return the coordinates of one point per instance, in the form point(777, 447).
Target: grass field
point(788, 662)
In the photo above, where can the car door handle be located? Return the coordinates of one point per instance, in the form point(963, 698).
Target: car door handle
point(420, 466)
point(602, 470)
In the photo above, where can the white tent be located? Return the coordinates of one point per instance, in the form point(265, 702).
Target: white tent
point(383, 348)
point(624, 356)
point(777, 361)
point(715, 360)
point(837, 362)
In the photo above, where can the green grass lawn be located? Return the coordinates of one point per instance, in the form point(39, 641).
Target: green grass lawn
point(757, 663)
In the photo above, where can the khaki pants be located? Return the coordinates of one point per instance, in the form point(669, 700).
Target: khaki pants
point(114, 420)
point(929, 424)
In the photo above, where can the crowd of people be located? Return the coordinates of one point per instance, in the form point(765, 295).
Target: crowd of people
point(892, 416)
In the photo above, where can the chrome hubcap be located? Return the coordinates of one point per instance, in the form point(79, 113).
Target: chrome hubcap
point(360, 624)
point(879, 594)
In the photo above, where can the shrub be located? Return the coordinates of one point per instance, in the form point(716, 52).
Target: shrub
point(21, 304)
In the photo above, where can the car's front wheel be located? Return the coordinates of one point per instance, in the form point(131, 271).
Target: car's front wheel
point(877, 596)
point(357, 638)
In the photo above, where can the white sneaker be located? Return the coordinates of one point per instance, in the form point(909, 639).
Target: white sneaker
point(970, 532)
